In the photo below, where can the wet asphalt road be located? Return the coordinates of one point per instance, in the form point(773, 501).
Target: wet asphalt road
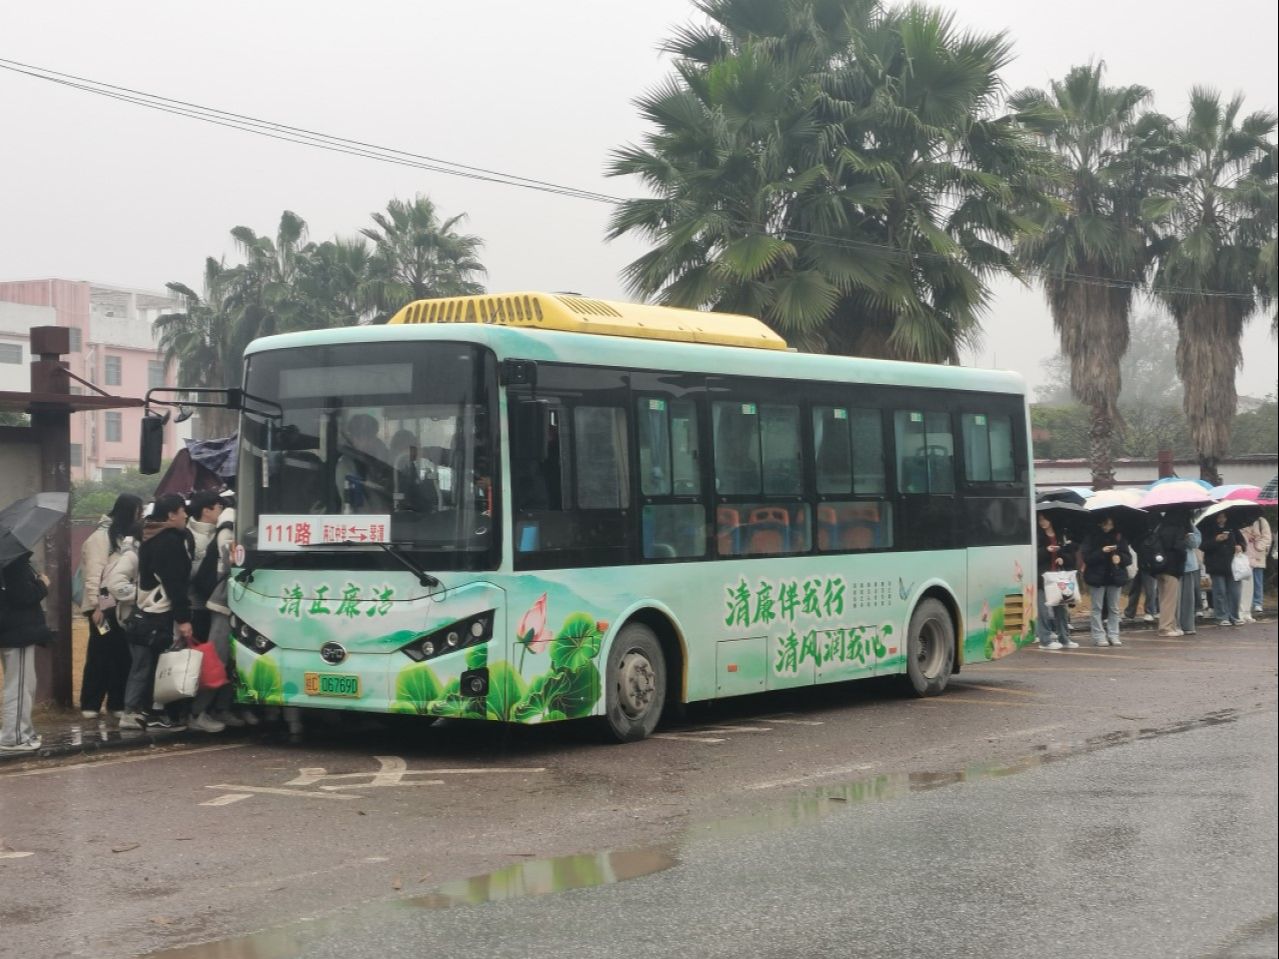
point(1090, 803)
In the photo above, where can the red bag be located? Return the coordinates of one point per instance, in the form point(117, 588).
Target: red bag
point(212, 672)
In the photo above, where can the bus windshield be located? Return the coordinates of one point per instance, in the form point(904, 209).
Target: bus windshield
point(385, 443)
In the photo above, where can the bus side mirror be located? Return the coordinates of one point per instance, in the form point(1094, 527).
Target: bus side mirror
point(530, 429)
point(151, 444)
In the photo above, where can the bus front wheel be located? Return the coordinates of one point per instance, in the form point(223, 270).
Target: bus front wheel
point(634, 684)
point(930, 649)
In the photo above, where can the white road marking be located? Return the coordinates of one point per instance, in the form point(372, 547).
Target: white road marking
point(227, 799)
point(278, 791)
point(144, 757)
point(824, 774)
point(14, 854)
point(996, 689)
point(733, 729)
point(685, 737)
point(793, 722)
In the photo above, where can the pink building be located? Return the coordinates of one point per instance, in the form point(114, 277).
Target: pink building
point(112, 347)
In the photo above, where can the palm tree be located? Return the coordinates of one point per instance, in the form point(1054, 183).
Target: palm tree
point(1095, 248)
point(833, 166)
point(333, 283)
point(203, 344)
point(261, 289)
point(1219, 267)
point(416, 255)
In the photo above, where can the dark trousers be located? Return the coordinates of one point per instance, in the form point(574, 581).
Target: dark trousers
point(106, 668)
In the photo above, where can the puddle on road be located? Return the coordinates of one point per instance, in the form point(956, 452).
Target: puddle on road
point(521, 880)
point(546, 877)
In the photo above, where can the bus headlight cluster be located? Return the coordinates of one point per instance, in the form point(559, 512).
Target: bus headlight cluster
point(471, 631)
point(249, 637)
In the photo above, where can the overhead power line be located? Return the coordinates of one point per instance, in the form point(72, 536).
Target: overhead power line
point(358, 148)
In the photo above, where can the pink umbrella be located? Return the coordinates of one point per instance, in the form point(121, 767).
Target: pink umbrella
point(1184, 493)
point(1249, 494)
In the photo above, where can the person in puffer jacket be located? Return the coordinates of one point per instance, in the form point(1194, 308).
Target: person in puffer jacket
point(107, 660)
point(164, 575)
point(1106, 559)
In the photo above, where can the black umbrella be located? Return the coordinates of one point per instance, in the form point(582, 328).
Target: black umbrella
point(24, 523)
point(1239, 513)
point(1061, 496)
point(1134, 523)
point(1065, 516)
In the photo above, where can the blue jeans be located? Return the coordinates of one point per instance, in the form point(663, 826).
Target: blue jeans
point(1258, 587)
point(1225, 597)
point(1107, 598)
point(1189, 601)
point(1052, 619)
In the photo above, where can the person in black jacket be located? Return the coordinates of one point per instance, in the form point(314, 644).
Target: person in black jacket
point(1170, 539)
point(164, 576)
point(1106, 558)
point(1220, 544)
point(22, 628)
point(1053, 553)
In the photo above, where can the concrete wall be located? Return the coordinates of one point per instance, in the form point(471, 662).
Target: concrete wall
point(1254, 470)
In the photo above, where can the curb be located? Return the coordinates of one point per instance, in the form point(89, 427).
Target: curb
point(80, 743)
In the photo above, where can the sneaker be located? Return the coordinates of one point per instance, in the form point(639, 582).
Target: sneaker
point(1236, 622)
point(1101, 645)
point(88, 714)
point(161, 721)
point(1071, 644)
point(1257, 609)
point(1116, 642)
point(230, 720)
point(1223, 622)
point(29, 746)
point(250, 718)
point(207, 724)
point(1148, 617)
point(130, 720)
point(1053, 645)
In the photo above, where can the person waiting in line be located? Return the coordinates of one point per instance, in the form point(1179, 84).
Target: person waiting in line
point(1220, 545)
point(363, 468)
point(1170, 542)
point(106, 662)
point(1053, 554)
point(1143, 587)
point(164, 575)
point(1188, 597)
point(22, 628)
point(1258, 538)
point(1106, 557)
point(204, 511)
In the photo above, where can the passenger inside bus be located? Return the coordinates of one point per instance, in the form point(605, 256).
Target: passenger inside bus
point(364, 473)
point(416, 489)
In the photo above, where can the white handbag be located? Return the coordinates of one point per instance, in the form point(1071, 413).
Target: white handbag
point(1240, 568)
point(1060, 586)
point(177, 675)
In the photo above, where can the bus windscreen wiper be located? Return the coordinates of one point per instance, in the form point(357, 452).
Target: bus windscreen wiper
point(423, 577)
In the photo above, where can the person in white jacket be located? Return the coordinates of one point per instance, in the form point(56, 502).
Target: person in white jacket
point(106, 662)
point(1258, 538)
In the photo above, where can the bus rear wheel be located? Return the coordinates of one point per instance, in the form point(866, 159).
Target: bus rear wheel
point(634, 684)
point(930, 649)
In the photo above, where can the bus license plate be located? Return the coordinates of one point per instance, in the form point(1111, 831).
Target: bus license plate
point(331, 684)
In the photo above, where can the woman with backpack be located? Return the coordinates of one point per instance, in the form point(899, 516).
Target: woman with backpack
point(106, 662)
point(1105, 558)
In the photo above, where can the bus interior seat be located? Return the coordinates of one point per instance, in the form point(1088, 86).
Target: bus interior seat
point(849, 526)
point(728, 530)
point(770, 531)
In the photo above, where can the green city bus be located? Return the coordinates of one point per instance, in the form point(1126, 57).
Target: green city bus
point(535, 507)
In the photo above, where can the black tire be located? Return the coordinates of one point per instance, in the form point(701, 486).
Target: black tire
point(634, 684)
point(930, 649)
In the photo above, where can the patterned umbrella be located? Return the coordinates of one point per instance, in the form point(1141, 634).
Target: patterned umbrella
point(1270, 492)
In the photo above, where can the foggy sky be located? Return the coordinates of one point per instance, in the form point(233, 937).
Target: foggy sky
point(95, 189)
